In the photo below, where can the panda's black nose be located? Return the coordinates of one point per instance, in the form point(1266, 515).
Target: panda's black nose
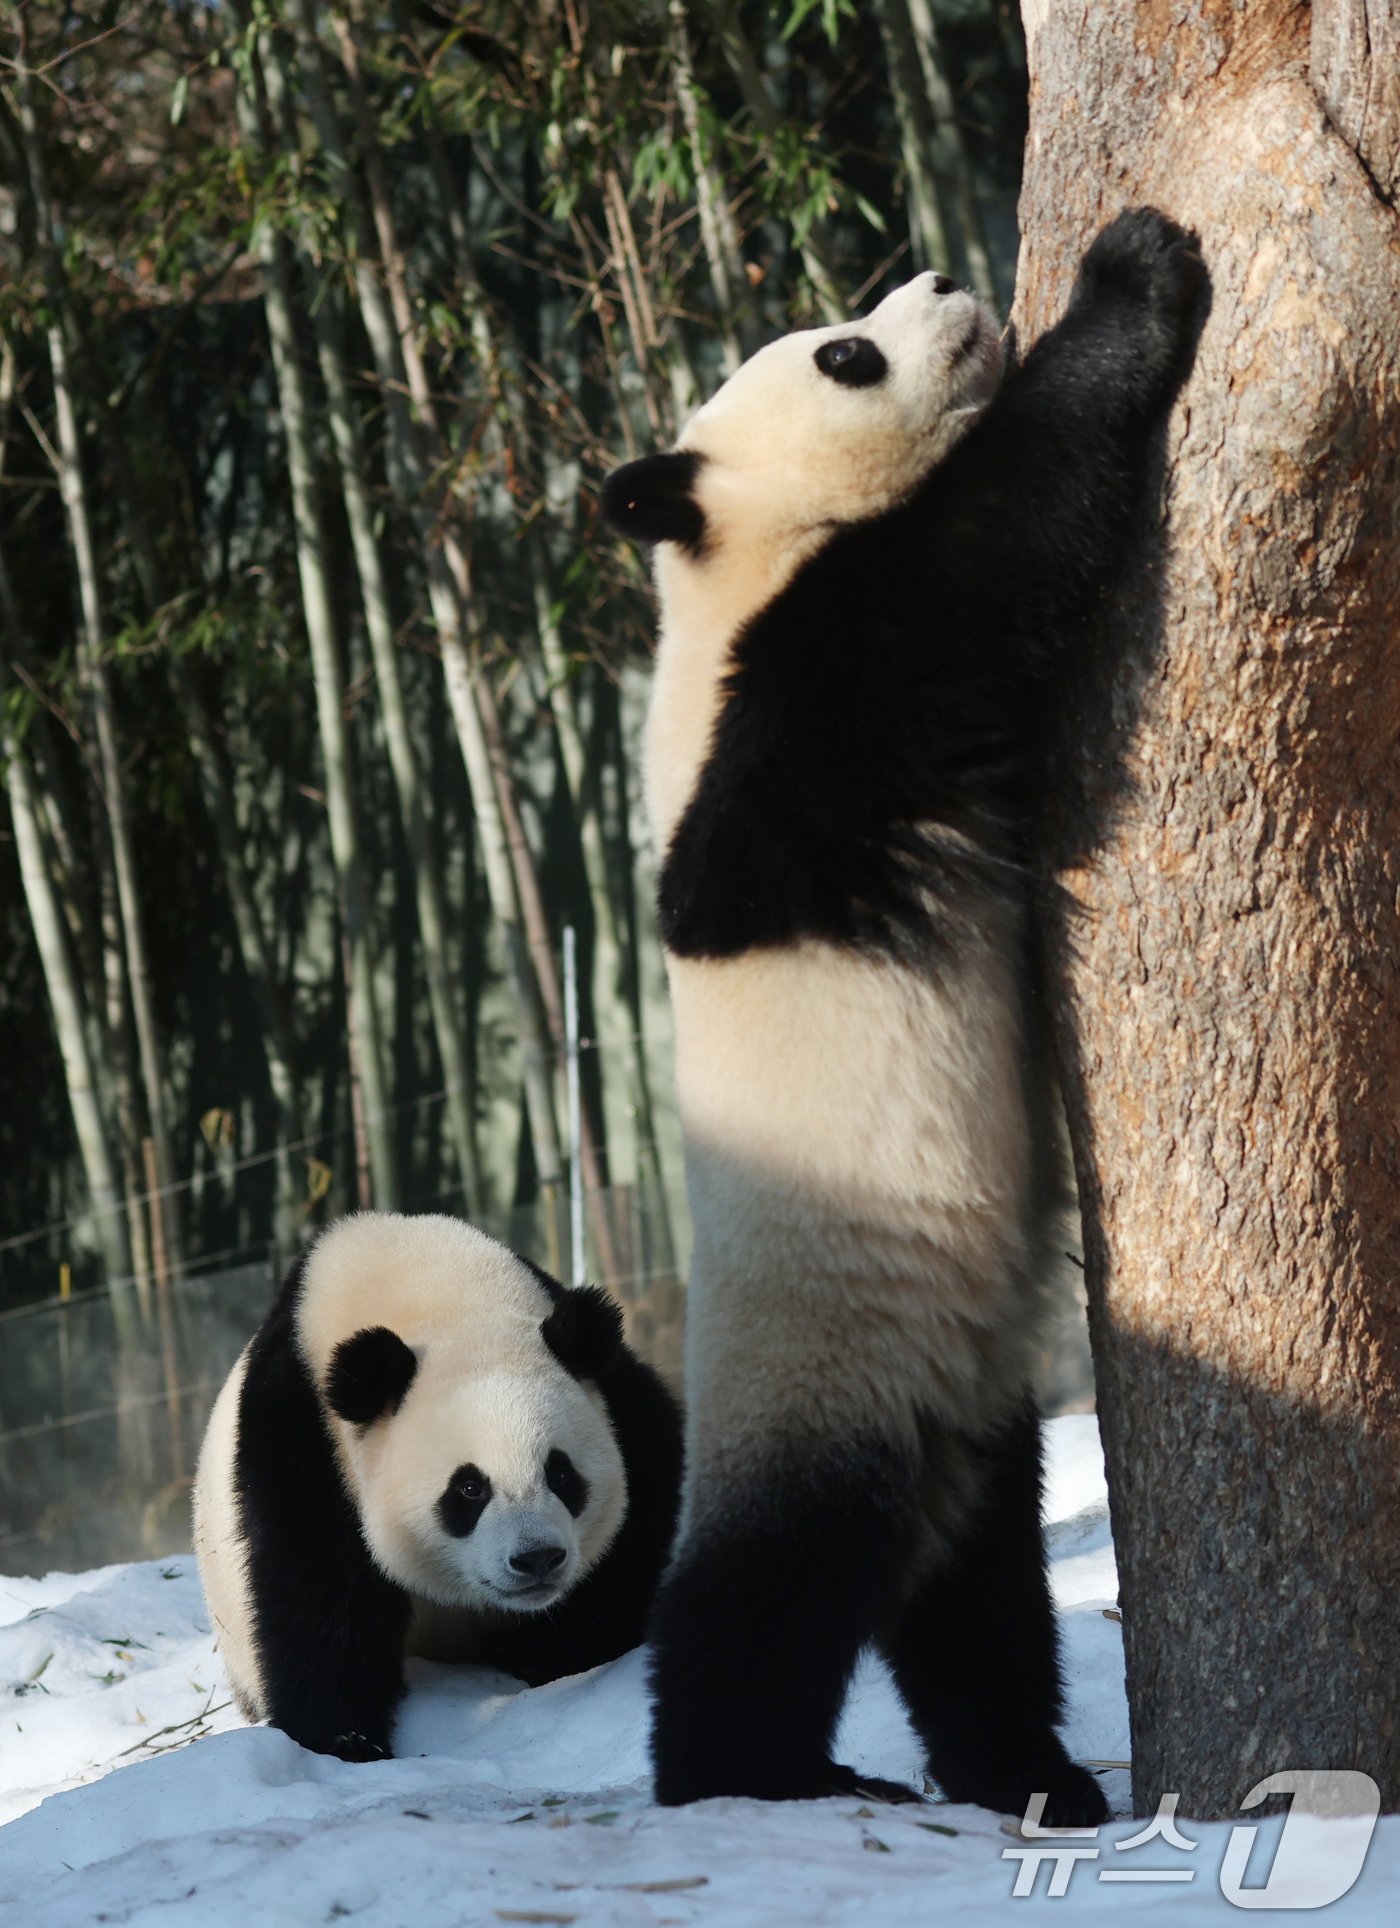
point(944, 285)
point(538, 1561)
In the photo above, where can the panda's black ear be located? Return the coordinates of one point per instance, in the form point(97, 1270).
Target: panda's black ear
point(654, 500)
point(369, 1375)
point(584, 1331)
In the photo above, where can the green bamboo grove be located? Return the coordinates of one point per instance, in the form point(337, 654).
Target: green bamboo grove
point(319, 684)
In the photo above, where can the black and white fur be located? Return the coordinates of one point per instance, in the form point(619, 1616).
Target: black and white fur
point(430, 1447)
point(872, 554)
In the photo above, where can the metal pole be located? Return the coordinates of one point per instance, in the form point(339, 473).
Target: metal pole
point(575, 1102)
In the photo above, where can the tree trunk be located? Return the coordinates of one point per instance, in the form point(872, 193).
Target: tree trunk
point(1230, 972)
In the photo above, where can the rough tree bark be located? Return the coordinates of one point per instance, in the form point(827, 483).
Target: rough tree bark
point(1230, 978)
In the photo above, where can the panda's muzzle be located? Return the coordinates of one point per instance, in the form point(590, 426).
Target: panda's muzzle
point(535, 1575)
point(538, 1564)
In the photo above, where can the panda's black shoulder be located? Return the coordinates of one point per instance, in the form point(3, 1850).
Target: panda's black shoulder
point(273, 1354)
point(281, 1425)
point(646, 1421)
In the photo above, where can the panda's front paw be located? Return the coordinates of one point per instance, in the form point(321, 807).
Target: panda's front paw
point(871, 1787)
point(1066, 1794)
point(358, 1747)
point(1144, 258)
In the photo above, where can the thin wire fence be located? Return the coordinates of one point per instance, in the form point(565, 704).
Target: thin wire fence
point(235, 1214)
point(225, 1169)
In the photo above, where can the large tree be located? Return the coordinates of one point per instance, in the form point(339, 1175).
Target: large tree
point(1230, 983)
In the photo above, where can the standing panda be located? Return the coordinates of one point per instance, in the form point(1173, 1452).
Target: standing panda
point(429, 1446)
point(871, 555)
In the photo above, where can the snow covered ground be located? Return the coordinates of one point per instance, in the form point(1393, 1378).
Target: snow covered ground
point(516, 1805)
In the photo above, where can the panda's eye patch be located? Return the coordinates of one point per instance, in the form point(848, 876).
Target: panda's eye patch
point(854, 362)
point(566, 1482)
point(463, 1501)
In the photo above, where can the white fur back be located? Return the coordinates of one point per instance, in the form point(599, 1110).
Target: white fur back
point(221, 1549)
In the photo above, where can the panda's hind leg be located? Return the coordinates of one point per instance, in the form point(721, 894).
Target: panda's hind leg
point(974, 1651)
point(784, 1572)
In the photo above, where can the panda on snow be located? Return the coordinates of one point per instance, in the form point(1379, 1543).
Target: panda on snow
point(873, 551)
point(429, 1446)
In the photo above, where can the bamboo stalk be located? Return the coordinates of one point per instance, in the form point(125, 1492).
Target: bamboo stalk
point(621, 1078)
point(92, 651)
point(474, 702)
point(318, 607)
point(217, 791)
point(352, 462)
point(927, 225)
point(165, 1313)
point(274, 1022)
point(63, 985)
point(394, 354)
point(943, 108)
point(717, 235)
point(743, 62)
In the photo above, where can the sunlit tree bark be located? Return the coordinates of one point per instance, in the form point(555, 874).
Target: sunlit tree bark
point(1231, 969)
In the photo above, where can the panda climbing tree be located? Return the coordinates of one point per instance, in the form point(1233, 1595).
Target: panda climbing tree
point(1231, 943)
point(874, 552)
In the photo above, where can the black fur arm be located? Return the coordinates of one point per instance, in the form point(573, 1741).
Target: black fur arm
point(875, 751)
point(329, 1627)
point(1032, 511)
